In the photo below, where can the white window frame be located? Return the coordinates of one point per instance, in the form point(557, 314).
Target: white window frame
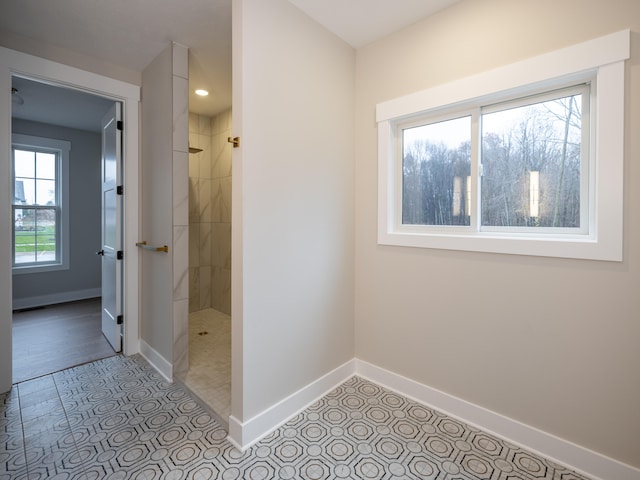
point(62, 148)
point(602, 63)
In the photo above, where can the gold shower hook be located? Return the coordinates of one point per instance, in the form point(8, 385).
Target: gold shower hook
point(235, 141)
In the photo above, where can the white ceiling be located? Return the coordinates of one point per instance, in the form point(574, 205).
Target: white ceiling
point(360, 22)
point(130, 33)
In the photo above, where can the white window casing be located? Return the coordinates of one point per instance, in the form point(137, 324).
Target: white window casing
point(62, 147)
point(600, 63)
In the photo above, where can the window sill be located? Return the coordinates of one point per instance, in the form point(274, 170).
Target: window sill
point(21, 270)
point(563, 246)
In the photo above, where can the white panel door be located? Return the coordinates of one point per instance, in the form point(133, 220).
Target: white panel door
point(111, 228)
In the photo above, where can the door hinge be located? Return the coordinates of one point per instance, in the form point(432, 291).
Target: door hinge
point(119, 319)
point(119, 190)
point(120, 255)
point(119, 125)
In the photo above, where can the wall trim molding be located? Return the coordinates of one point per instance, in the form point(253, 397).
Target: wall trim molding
point(53, 298)
point(576, 457)
point(588, 462)
point(157, 361)
point(244, 434)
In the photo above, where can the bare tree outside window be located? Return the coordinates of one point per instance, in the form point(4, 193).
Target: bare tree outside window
point(530, 159)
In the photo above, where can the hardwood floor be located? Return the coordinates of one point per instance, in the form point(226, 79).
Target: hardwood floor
point(56, 337)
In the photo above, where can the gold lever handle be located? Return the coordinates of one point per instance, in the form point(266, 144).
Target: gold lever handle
point(151, 248)
point(235, 141)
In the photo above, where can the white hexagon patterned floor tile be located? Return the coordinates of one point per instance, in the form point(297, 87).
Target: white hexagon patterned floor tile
point(118, 419)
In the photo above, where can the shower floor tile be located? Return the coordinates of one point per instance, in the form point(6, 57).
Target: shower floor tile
point(209, 375)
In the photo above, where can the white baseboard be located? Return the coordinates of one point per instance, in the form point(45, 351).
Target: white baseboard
point(243, 435)
point(157, 361)
point(561, 451)
point(51, 299)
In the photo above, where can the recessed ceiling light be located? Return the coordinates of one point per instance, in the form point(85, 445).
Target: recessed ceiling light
point(201, 92)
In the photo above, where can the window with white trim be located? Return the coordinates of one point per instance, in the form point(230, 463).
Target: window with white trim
point(526, 159)
point(39, 170)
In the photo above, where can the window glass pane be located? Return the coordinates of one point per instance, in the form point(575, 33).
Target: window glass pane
point(531, 159)
point(35, 235)
point(46, 165)
point(45, 192)
point(436, 171)
point(46, 235)
point(25, 245)
point(24, 191)
point(24, 163)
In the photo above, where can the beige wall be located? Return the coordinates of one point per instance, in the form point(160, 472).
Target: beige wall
point(292, 204)
point(210, 213)
point(549, 342)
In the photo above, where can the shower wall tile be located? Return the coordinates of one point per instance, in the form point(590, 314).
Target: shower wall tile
point(205, 287)
point(180, 188)
point(180, 262)
point(204, 125)
point(220, 155)
point(194, 200)
point(180, 114)
point(181, 337)
point(221, 251)
point(204, 157)
point(194, 123)
point(194, 289)
point(221, 287)
point(204, 197)
point(210, 213)
point(194, 165)
point(180, 61)
point(194, 250)
point(225, 200)
point(204, 245)
point(221, 122)
point(216, 200)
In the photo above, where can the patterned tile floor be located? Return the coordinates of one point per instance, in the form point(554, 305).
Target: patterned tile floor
point(117, 419)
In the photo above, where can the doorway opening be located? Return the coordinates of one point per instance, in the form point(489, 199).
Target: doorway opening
point(209, 374)
point(56, 210)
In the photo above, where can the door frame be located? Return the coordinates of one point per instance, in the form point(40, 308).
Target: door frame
point(12, 63)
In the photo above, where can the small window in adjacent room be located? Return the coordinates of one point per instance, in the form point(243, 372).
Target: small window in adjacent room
point(40, 207)
point(534, 167)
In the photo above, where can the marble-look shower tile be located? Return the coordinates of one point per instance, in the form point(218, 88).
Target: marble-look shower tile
point(224, 165)
point(180, 188)
point(205, 287)
point(225, 204)
point(194, 247)
point(194, 137)
point(194, 200)
point(180, 63)
point(194, 289)
point(194, 165)
point(221, 122)
point(180, 262)
point(204, 198)
point(216, 200)
point(194, 123)
point(219, 149)
point(180, 114)
point(204, 125)
point(205, 156)
point(221, 289)
point(221, 251)
point(181, 337)
point(205, 244)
